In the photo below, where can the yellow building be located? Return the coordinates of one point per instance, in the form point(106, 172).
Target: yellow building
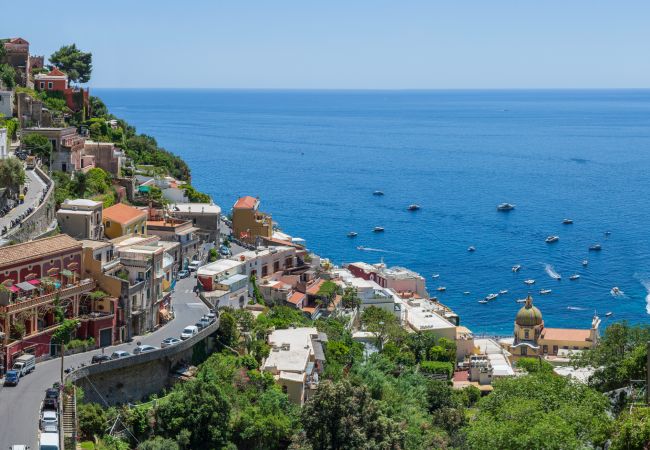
point(121, 220)
point(248, 223)
point(532, 338)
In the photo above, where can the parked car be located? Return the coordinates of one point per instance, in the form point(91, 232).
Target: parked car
point(49, 441)
point(189, 331)
point(51, 400)
point(205, 320)
point(199, 325)
point(12, 377)
point(183, 274)
point(212, 315)
point(143, 349)
point(194, 265)
point(120, 354)
point(19, 447)
point(49, 420)
point(25, 364)
point(100, 359)
point(168, 342)
point(224, 251)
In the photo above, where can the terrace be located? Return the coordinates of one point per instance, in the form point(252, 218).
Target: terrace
point(31, 294)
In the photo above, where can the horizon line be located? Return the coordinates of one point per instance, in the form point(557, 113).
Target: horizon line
point(377, 89)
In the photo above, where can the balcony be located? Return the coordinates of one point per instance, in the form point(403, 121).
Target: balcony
point(64, 292)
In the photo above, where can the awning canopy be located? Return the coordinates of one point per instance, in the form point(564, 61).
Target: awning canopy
point(25, 286)
point(66, 273)
point(34, 282)
point(13, 288)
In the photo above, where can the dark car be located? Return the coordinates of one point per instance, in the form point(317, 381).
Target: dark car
point(100, 358)
point(12, 377)
point(200, 325)
point(50, 404)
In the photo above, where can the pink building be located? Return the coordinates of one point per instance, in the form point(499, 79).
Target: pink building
point(396, 278)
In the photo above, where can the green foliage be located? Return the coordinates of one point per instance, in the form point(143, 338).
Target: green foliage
point(159, 443)
point(17, 330)
point(11, 124)
point(195, 196)
point(7, 76)
point(257, 295)
point(632, 430)
point(228, 334)
point(383, 324)
point(95, 184)
point(81, 343)
point(92, 420)
point(75, 63)
point(144, 149)
point(12, 174)
point(282, 317)
point(533, 365)
point(328, 291)
point(38, 145)
point(437, 368)
point(539, 411)
point(63, 334)
point(97, 107)
point(350, 298)
point(53, 100)
point(213, 255)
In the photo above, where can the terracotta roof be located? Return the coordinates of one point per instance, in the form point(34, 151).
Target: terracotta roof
point(296, 298)
point(56, 73)
point(123, 214)
point(566, 334)
point(314, 288)
point(39, 248)
point(247, 202)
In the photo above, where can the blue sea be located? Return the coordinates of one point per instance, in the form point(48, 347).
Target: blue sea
point(315, 158)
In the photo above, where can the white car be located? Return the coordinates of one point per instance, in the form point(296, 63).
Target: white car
point(144, 349)
point(120, 354)
point(189, 331)
point(49, 421)
point(193, 266)
point(168, 342)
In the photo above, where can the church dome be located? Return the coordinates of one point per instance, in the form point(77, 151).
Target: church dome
point(529, 315)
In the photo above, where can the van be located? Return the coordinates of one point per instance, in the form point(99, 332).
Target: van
point(24, 364)
point(189, 331)
point(194, 265)
point(49, 441)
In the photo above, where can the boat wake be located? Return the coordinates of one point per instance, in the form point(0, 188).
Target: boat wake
point(576, 308)
point(550, 271)
point(645, 282)
point(370, 249)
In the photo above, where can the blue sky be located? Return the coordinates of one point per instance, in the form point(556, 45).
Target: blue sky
point(352, 44)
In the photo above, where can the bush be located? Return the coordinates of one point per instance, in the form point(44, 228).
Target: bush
point(437, 368)
point(533, 365)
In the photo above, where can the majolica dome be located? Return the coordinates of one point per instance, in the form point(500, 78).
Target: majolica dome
point(529, 315)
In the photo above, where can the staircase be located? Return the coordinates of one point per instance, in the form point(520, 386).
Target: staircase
point(70, 419)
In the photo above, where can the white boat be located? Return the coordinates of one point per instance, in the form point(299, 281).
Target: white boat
point(585, 262)
point(361, 247)
point(378, 229)
point(352, 234)
point(616, 292)
point(516, 268)
point(378, 193)
point(505, 207)
point(483, 301)
point(413, 207)
point(466, 293)
point(529, 282)
point(521, 300)
point(441, 289)
point(607, 233)
point(471, 248)
point(595, 248)
point(503, 292)
point(491, 297)
point(435, 275)
point(574, 277)
point(609, 314)
point(567, 221)
point(551, 239)
point(545, 291)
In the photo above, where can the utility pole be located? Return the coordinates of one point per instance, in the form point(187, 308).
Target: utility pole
point(62, 357)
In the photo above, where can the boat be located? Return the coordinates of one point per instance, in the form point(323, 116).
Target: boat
point(435, 275)
point(567, 221)
point(574, 277)
point(441, 289)
point(413, 207)
point(471, 248)
point(378, 229)
point(585, 262)
point(352, 234)
point(491, 297)
point(551, 239)
point(483, 301)
point(609, 314)
point(607, 233)
point(503, 292)
point(544, 291)
point(529, 282)
point(378, 193)
point(521, 300)
point(466, 293)
point(505, 207)
point(361, 247)
point(616, 291)
point(595, 248)
point(516, 268)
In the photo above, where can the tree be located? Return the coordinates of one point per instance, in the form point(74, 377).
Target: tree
point(328, 291)
point(12, 174)
point(97, 107)
point(7, 76)
point(533, 365)
point(383, 324)
point(63, 334)
point(213, 255)
point(38, 145)
point(632, 430)
point(344, 416)
point(75, 63)
point(227, 334)
point(350, 298)
point(159, 443)
point(92, 420)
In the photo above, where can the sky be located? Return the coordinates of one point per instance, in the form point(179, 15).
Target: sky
point(358, 44)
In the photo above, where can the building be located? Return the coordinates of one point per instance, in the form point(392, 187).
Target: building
point(180, 231)
point(369, 292)
point(296, 361)
point(31, 112)
point(122, 220)
point(223, 283)
point(81, 218)
point(248, 223)
point(205, 216)
point(263, 262)
point(532, 338)
point(6, 104)
point(4, 149)
point(105, 156)
point(67, 147)
point(17, 56)
point(398, 279)
point(37, 278)
point(422, 315)
point(56, 81)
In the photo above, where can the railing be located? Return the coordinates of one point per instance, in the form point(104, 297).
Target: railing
point(82, 286)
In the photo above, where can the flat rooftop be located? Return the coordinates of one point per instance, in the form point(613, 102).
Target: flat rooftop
point(197, 208)
point(219, 266)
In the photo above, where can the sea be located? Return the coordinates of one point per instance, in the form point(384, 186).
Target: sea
point(314, 158)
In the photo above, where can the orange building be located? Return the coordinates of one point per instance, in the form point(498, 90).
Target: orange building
point(248, 223)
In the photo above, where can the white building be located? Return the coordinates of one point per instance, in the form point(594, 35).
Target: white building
point(205, 216)
point(224, 283)
point(400, 279)
point(497, 356)
point(81, 218)
point(264, 262)
point(421, 315)
point(369, 292)
point(4, 149)
point(6, 104)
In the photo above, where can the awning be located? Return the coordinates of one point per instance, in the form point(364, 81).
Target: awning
point(13, 288)
point(144, 188)
point(165, 314)
point(34, 282)
point(67, 273)
point(25, 286)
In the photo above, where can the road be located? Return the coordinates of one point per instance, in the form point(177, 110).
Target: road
point(32, 198)
point(19, 406)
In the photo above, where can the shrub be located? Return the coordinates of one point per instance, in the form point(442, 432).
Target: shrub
point(437, 368)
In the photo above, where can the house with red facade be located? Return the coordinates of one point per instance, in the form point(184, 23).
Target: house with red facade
point(41, 283)
point(56, 81)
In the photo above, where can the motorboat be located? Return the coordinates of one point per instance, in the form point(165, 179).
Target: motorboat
point(491, 297)
point(413, 207)
point(607, 233)
point(441, 289)
point(551, 239)
point(516, 268)
point(471, 248)
point(616, 291)
point(529, 282)
point(378, 229)
point(574, 277)
point(435, 275)
point(503, 292)
point(361, 247)
point(567, 221)
point(378, 193)
point(505, 207)
point(595, 248)
point(585, 262)
point(544, 291)
point(352, 234)
point(466, 293)
point(483, 301)
point(521, 300)
point(609, 314)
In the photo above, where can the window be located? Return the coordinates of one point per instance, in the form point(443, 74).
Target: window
point(42, 84)
point(555, 349)
point(108, 224)
point(524, 351)
point(525, 334)
point(49, 85)
point(545, 349)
